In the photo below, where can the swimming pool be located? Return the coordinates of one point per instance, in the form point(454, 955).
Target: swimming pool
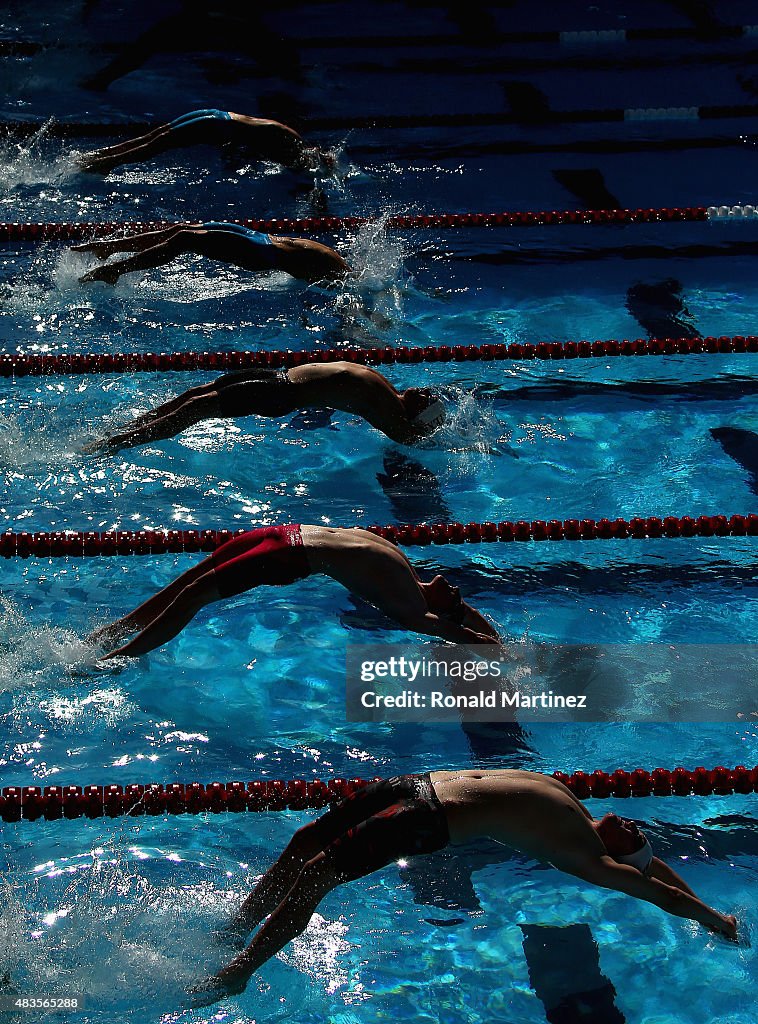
point(123, 910)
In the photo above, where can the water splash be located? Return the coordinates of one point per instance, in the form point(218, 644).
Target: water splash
point(376, 258)
point(471, 426)
point(26, 163)
point(99, 924)
point(33, 652)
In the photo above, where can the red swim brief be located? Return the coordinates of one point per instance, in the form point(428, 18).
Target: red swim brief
point(270, 556)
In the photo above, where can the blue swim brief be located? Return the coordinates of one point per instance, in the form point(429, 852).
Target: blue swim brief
point(257, 237)
point(200, 115)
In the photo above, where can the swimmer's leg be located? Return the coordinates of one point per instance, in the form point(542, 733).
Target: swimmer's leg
point(183, 240)
point(129, 243)
point(171, 136)
point(186, 413)
point(202, 390)
point(151, 608)
point(172, 619)
point(315, 880)
point(102, 161)
point(105, 152)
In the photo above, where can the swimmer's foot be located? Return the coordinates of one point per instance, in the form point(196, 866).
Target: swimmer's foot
point(101, 445)
point(113, 668)
point(208, 991)
point(107, 274)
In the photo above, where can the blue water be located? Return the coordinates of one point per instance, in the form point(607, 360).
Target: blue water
point(254, 688)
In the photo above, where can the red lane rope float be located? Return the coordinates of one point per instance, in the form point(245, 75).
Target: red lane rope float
point(64, 544)
point(69, 364)
point(56, 232)
point(32, 803)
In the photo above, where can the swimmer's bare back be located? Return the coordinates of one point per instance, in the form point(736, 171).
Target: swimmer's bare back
point(367, 565)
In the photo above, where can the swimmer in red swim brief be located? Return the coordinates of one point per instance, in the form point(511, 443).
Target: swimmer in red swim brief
point(367, 565)
point(409, 815)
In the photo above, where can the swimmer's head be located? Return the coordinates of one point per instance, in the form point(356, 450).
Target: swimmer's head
point(424, 409)
point(626, 843)
point(443, 599)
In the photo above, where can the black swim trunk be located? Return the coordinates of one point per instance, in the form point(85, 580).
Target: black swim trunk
point(381, 823)
point(256, 393)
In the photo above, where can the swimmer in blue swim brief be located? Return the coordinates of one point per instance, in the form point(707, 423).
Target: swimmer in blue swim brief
point(262, 139)
point(302, 258)
point(404, 416)
point(413, 815)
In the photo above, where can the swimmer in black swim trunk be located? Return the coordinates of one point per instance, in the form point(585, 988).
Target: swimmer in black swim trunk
point(418, 814)
point(368, 566)
point(217, 240)
point(405, 416)
point(263, 139)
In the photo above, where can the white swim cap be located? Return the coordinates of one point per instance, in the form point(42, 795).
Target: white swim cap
point(431, 417)
point(640, 859)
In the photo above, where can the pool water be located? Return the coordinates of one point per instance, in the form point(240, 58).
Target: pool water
point(124, 911)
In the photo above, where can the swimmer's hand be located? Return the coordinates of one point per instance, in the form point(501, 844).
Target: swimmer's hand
point(729, 927)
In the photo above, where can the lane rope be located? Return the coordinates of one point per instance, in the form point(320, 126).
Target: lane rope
point(74, 363)
point(90, 543)
point(394, 122)
point(33, 803)
point(13, 47)
point(580, 37)
point(52, 231)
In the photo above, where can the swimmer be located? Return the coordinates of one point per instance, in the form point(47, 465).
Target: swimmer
point(404, 416)
point(263, 139)
point(369, 566)
point(217, 240)
point(417, 814)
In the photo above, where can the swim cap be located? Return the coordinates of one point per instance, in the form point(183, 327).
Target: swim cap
point(431, 417)
point(640, 859)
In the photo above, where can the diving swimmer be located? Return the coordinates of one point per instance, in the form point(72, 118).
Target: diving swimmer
point(263, 139)
point(367, 565)
point(418, 814)
point(404, 416)
point(217, 240)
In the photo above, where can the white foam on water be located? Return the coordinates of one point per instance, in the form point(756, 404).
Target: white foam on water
point(33, 654)
point(470, 426)
point(26, 163)
point(100, 925)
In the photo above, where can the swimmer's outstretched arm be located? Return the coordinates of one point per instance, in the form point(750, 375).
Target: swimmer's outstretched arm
point(436, 625)
point(609, 874)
